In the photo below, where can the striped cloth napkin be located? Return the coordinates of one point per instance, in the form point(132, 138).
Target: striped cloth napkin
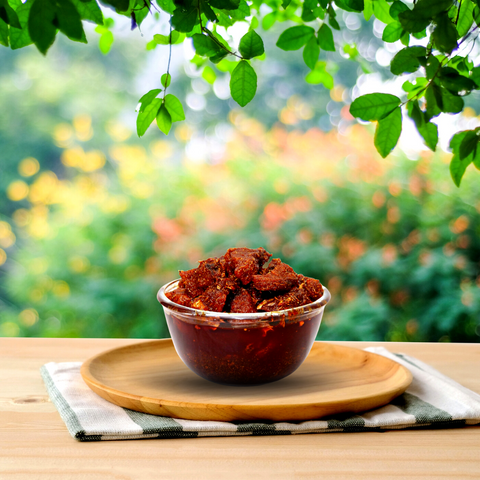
point(432, 400)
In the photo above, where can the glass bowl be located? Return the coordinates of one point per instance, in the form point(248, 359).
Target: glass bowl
point(242, 348)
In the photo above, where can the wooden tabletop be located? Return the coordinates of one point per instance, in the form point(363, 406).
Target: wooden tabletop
point(35, 444)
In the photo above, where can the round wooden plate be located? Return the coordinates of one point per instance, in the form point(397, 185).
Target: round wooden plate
point(150, 377)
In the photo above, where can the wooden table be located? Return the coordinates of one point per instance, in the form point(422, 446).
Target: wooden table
point(35, 444)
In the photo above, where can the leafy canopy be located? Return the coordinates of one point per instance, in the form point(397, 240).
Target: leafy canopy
point(435, 34)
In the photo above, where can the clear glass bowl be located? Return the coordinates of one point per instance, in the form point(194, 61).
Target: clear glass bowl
point(242, 348)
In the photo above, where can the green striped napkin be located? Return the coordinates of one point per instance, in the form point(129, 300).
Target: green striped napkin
point(432, 400)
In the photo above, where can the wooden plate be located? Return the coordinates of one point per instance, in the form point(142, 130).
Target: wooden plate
point(150, 377)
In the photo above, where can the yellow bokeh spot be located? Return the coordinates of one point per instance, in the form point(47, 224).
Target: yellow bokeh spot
point(83, 127)
point(36, 295)
point(161, 149)
point(28, 317)
point(183, 133)
point(21, 217)
point(63, 135)
point(118, 131)
point(8, 240)
point(28, 167)
point(61, 289)
point(118, 254)
point(469, 112)
point(5, 229)
point(79, 264)
point(86, 161)
point(45, 189)
point(93, 161)
point(17, 190)
point(3, 257)
point(116, 204)
point(72, 157)
point(336, 94)
point(9, 329)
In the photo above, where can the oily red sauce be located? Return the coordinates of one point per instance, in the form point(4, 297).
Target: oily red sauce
point(244, 356)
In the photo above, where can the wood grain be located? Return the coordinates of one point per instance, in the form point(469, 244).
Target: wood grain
point(151, 378)
point(35, 444)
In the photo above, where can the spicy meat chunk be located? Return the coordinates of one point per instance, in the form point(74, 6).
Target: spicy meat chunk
point(313, 288)
point(180, 296)
point(280, 277)
point(212, 299)
point(244, 263)
point(208, 273)
point(244, 281)
point(243, 302)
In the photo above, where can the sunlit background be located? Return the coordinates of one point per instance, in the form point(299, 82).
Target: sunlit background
point(94, 220)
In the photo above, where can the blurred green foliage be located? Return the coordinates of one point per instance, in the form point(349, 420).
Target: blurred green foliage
point(395, 243)
point(93, 221)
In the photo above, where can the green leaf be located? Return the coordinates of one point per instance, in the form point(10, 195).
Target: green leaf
point(8, 14)
point(451, 103)
point(164, 120)
point(381, 10)
point(407, 60)
point(243, 83)
point(431, 8)
point(20, 38)
point(325, 38)
point(184, 20)
point(429, 132)
point(411, 22)
point(465, 18)
point(457, 169)
point(175, 108)
point(445, 34)
point(69, 21)
point(392, 32)
point(166, 5)
point(368, 9)
point(295, 37)
point(286, 3)
point(209, 75)
point(355, 5)
point(3, 33)
point(432, 66)
point(475, 75)
point(106, 41)
point(118, 5)
point(205, 46)
point(269, 20)
point(225, 4)
point(148, 98)
point(454, 82)
point(40, 24)
point(207, 11)
point(147, 115)
point(320, 75)
point(433, 110)
point(166, 79)
point(311, 53)
point(165, 39)
point(332, 20)
point(397, 8)
point(89, 10)
point(388, 132)
point(374, 106)
point(468, 145)
point(251, 45)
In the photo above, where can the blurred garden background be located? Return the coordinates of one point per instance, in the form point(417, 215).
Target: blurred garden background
point(93, 220)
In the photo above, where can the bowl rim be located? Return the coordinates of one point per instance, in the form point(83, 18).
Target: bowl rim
point(290, 312)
